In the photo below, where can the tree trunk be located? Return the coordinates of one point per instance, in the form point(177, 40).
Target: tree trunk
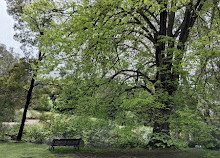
point(29, 95)
point(161, 129)
point(28, 99)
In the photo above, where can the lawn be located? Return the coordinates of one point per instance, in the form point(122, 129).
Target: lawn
point(24, 150)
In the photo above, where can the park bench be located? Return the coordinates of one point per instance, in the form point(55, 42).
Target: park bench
point(65, 142)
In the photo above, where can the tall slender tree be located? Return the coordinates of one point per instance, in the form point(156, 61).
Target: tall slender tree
point(30, 27)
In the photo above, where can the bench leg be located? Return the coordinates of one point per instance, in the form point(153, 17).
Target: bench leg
point(51, 148)
point(76, 146)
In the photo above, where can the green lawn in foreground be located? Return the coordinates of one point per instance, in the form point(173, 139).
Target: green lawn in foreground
point(24, 150)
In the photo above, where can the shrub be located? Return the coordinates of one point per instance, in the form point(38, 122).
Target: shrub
point(98, 132)
point(36, 133)
point(94, 132)
point(126, 137)
point(3, 130)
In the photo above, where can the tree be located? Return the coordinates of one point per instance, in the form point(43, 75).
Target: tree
point(6, 62)
point(142, 43)
point(30, 27)
point(13, 88)
point(6, 59)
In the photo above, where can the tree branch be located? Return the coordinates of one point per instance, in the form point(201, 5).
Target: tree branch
point(147, 20)
point(142, 86)
point(128, 70)
point(171, 17)
point(150, 37)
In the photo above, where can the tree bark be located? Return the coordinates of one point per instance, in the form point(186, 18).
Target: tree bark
point(168, 72)
point(161, 127)
point(29, 95)
point(28, 100)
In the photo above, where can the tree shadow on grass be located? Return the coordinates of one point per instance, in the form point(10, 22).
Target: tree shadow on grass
point(128, 153)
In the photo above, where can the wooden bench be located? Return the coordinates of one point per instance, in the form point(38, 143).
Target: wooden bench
point(65, 142)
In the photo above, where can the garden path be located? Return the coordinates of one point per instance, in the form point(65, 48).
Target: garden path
point(28, 121)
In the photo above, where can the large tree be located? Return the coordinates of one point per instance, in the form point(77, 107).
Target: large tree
point(142, 44)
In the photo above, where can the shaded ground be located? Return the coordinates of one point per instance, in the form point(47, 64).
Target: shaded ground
point(135, 153)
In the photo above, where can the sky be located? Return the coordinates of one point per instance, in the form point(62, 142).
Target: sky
point(6, 29)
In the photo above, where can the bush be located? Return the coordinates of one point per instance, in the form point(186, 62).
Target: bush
point(97, 132)
point(94, 132)
point(36, 133)
point(3, 130)
point(127, 137)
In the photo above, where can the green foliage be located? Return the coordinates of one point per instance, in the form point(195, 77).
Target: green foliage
point(127, 137)
point(7, 59)
point(36, 133)
point(3, 130)
point(94, 132)
point(190, 126)
point(130, 61)
point(13, 88)
point(42, 102)
point(135, 45)
point(11, 130)
point(6, 103)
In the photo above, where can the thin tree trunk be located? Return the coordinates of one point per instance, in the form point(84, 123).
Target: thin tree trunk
point(29, 95)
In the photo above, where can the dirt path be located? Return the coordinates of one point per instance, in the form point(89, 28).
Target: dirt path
point(28, 121)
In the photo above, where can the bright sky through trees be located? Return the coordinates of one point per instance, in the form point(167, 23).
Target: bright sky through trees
point(6, 29)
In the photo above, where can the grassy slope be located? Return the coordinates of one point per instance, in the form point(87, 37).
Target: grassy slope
point(23, 150)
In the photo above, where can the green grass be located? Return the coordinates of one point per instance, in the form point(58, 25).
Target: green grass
point(24, 150)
